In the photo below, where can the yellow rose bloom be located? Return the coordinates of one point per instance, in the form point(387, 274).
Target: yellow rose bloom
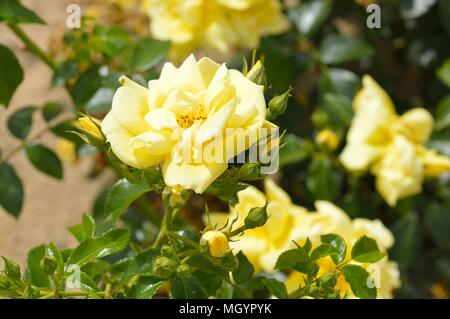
point(288, 222)
point(216, 242)
point(179, 117)
point(214, 24)
point(391, 146)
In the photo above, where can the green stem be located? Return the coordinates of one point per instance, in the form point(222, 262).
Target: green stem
point(32, 47)
point(165, 227)
point(73, 294)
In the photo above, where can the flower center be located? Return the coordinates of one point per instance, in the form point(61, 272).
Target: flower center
point(198, 114)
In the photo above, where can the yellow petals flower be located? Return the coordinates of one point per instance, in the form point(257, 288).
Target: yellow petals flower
point(216, 242)
point(214, 24)
point(390, 145)
point(288, 222)
point(328, 138)
point(180, 117)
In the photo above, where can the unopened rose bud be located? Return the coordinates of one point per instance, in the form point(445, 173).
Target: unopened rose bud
point(257, 217)
point(249, 171)
point(319, 118)
point(164, 267)
point(91, 126)
point(278, 104)
point(184, 271)
point(328, 138)
point(215, 242)
point(257, 73)
point(167, 251)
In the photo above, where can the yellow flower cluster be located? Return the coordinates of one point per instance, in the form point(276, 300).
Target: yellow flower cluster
point(178, 118)
point(391, 146)
point(288, 222)
point(214, 24)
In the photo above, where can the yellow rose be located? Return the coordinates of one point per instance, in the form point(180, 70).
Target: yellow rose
point(390, 145)
point(182, 116)
point(288, 222)
point(371, 127)
point(216, 242)
point(214, 24)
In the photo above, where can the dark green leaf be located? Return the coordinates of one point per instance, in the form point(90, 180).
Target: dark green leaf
point(54, 252)
point(337, 242)
point(366, 250)
point(337, 49)
point(444, 13)
point(45, 160)
point(276, 288)
point(19, 123)
point(204, 264)
point(10, 76)
point(111, 242)
point(323, 179)
point(324, 250)
point(407, 240)
point(85, 230)
point(87, 283)
point(359, 281)
point(121, 195)
point(145, 287)
point(295, 258)
point(339, 108)
point(11, 11)
point(308, 16)
point(51, 110)
point(147, 53)
point(340, 81)
point(437, 219)
point(87, 84)
point(245, 270)
point(34, 272)
point(11, 190)
point(189, 288)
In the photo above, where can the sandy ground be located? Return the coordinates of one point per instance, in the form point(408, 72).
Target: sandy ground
point(50, 205)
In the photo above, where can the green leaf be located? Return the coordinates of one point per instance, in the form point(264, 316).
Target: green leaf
point(309, 16)
point(412, 9)
point(443, 114)
point(121, 195)
point(19, 123)
point(87, 283)
point(337, 49)
point(51, 110)
point(45, 160)
point(359, 281)
point(205, 265)
point(296, 259)
point(34, 272)
point(11, 75)
point(111, 242)
point(337, 242)
point(11, 190)
point(64, 72)
point(12, 269)
point(443, 72)
point(54, 252)
point(407, 240)
point(147, 53)
point(85, 87)
point(85, 230)
point(295, 150)
point(366, 250)
point(141, 264)
point(145, 287)
point(340, 81)
point(339, 107)
point(323, 180)
point(324, 250)
point(11, 11)
point(276, 288)
point(189, 288)
point(245, 270)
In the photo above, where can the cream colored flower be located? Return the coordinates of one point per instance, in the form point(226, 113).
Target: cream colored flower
point(214, 24)
point(182, 116)
point(391, 145)
point(288, 222)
